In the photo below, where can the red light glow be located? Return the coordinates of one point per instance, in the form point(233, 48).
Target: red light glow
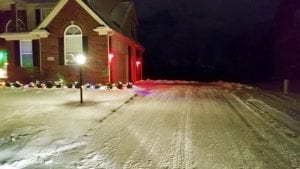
point(138, 63)
point(110, 56)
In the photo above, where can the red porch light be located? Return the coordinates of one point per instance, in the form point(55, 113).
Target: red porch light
point(110, 56)
point(138, 63)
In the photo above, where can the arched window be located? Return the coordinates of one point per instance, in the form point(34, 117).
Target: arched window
point(72, 43)
point(20, 26)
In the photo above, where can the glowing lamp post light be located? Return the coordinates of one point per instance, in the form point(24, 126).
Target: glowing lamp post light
point(80, 59)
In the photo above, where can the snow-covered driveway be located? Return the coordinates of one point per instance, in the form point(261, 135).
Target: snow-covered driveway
point(209, 126)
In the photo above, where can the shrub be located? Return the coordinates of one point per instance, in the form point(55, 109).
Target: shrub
point(49, 84)
point(17, 84)
point(119, 85)
point(97, 86)
point(59, 83)
point(8, 84)
point(77, 85)
point(31, 85)
point(70, 85)
point(39, 84)
point(129, 85)
point(109, 86)
point(88, 85)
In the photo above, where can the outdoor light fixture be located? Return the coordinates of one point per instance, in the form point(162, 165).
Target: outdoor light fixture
point(110, 56)
point(80, 59)
point(137, 63)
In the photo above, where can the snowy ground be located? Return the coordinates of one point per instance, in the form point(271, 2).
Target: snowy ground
point(158, 124)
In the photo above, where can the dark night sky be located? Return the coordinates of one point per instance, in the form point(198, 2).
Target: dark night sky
point(207, 39)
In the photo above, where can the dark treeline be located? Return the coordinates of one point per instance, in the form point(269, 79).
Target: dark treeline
point(180, 50)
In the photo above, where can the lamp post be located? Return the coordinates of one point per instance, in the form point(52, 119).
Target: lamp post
point(80, 59)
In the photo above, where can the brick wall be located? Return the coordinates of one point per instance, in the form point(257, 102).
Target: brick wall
point(96, 69)
point(15, 72)
point(119, 63)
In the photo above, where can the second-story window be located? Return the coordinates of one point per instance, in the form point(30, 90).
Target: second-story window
point(72, 43)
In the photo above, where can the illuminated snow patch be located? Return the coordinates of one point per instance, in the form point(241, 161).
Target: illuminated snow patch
point(39, 157)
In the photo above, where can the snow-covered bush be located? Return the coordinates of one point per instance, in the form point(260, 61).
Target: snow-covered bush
point(8, 84)
point(49, 84)
point(119, 85)
point(129, 85)
point(98, 85)
point(18, 84)
point(31, 85)
point(70, 85)
point(109, 86)
point(59, 83)
point(88, 85)
point(77, 85)
point(40, 84)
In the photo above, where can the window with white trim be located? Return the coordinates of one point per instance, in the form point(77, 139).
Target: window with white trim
point(26, 55)
point(73, 44)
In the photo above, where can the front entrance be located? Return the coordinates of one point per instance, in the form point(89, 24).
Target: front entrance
point(3, 64)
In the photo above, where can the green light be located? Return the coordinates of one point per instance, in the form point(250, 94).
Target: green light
point(3, 58)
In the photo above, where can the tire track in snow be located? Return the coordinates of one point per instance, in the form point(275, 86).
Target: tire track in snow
point(188, 156)
point(182, 127)
point(121, 134)
point(270, 141)
point(148, 140)
point(150, 134)
point(271, 116)
point(179, 154)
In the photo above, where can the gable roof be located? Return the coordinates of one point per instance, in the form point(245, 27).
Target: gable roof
point(39, 1)
point(114, 12)
point(60, 5)
point(111, 14)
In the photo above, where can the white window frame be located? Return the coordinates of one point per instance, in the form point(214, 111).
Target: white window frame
point(66, 36)
point(27, 53)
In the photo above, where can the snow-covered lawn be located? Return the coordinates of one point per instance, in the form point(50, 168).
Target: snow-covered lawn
point(158, 124)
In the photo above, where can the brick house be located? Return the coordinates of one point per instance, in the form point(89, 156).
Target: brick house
point(39, 40)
